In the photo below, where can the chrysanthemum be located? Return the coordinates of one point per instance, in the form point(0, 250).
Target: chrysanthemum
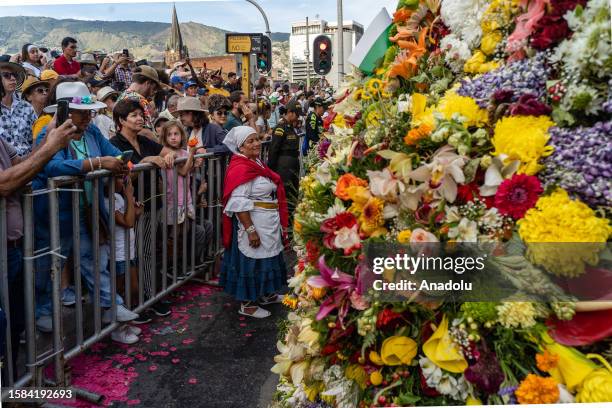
point(523, 138)
point(547, 361)
point(537, 390)
point(372, 216)
point(516, 314)
point(452, 104)
point(517, 195)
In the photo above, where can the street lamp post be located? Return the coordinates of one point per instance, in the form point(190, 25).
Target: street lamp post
point(340, 44)
point(307, 55)
point(268, 32)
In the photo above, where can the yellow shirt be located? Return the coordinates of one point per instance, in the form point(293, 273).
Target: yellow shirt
point(42, 121)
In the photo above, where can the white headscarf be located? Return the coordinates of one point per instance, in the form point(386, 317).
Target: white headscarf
point(236, 137)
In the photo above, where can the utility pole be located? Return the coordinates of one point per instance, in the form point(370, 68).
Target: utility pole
point(261, 10)
point(307, 55)
point(340, 36)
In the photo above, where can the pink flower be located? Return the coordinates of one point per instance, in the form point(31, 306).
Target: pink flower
point(517, 195)
point(419, 235)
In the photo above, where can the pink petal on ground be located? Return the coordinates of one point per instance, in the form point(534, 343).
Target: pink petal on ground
point(193, 381)
point(131, 369)
point(241, 318)
point(247, 335)
point(175, 360)
point(147, 340)
point(172, 348)
point(164, 344)
point(153, 368)
point(243, 324)
point(140, 357)
point(188, 341)
point(160, 353)
point(133, 402)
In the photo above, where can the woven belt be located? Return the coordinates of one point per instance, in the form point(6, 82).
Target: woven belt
point(265, 204)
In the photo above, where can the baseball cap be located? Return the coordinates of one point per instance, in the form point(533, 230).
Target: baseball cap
point(176, 80)
point(294, 107)
point(190, 83)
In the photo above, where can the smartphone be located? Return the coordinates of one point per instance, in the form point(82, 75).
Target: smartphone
point(127, 156)
point(126, 52)
point(142, 62)
point(63, 110)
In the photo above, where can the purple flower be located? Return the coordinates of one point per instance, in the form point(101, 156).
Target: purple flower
point(486, 374)
point(323, 147)
point(581, 163)
point(528, 75)
point(503, 95)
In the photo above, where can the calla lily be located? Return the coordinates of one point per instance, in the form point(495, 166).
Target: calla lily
point(441, 350)
point(342, 285)
point(443, 173)
point(496, 173)
point(397, 350)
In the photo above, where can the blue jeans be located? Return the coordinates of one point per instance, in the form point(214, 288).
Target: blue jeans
point(16, 300)
point(43, 268)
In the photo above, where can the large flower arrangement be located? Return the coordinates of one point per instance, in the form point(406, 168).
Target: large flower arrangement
point(486, 121)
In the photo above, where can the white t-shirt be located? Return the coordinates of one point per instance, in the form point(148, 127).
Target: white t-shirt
point(105, 124)
point(120, 232)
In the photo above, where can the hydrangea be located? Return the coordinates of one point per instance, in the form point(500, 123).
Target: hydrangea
point(524, 76)
point(581, 162)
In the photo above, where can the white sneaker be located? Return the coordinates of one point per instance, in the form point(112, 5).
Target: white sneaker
point(44, 324)
point(123, 315)
point(268, 300)
point(123, 335)
point(136, 331)
point(259, 313)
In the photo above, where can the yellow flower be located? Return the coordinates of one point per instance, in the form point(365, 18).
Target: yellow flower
point(556, 219)
point(421, 114)
point(372, 216)
point(489, 42)
point(523, 138)
point(441, 350)
point(537, 390)
point(517, 314)
point(376, 378)
point(473, 401)
point(452, 104)
point(375, 358)
point(414, 135)
point(398, 350)
point(356, 373)
point(317, 293)
point(344, 182)
point(597, 386)
point(573, 366)
point(403, 237)
point(359, 195)
point(473, 64)
point(547, 361)
point(313, 390)
point(290, 301)
point(297, 227)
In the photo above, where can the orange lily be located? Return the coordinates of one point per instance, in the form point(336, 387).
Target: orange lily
point(406, 62)
point(401, 15)
point(403, 33)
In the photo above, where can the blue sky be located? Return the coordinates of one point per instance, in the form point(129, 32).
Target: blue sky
point(234, 15)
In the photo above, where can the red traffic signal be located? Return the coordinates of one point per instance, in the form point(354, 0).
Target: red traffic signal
point(322, 58)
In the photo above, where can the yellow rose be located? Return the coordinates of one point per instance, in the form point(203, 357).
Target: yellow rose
point(489, 42)
point(441, 350)
point(376, 378)
point(398, 350)
point(404, 236)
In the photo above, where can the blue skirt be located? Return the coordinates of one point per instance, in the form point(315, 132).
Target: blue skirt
point(246, 278)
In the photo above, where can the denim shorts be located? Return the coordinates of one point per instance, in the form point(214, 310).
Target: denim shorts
point(121, 267)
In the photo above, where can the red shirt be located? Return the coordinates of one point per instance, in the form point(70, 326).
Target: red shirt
point(63, 67)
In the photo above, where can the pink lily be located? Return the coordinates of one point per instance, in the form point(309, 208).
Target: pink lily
point(341, 283)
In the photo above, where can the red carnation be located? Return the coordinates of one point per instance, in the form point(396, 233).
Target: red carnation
point(517, 195)
point(388, 319)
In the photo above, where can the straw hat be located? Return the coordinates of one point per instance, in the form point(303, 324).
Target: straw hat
point(13, 67)
point(31, 82)
point(78, 96)
point(48, 75)
point(189, 103)
point(149, 73)
point(87, 59)
point(105, 92)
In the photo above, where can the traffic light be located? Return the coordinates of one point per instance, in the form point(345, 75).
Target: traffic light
point(264, 58)
point(322, 54)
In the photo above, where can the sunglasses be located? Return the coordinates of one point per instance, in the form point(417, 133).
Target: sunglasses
point(114, 98)
point(42, 90)
point(9, 75)
point(221, 113)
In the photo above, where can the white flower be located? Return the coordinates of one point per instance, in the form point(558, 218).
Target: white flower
point(456, 52)
point(496, 173)
point(466, 231)
point(323, 173)
point(564, 395)
point(384, 185)
point(431, 372)
point(335, 209)
point(347, 238)
point(452, 214)
point(463, 18)
point(443, 173)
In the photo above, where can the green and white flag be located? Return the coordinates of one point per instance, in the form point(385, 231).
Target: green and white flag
point(374, 43)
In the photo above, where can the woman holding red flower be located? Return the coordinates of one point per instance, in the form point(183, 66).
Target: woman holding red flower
point(254, 216)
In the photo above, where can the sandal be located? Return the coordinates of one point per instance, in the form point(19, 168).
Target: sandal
point(259, 313)
point(270, 299)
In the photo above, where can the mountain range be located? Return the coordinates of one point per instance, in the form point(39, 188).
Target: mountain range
point(143, 39)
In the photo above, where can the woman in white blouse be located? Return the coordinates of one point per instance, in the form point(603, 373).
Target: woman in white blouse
point(254, 224)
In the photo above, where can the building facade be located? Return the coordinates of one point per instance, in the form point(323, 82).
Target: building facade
point(297, 47)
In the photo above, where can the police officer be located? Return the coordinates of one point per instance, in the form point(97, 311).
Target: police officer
point(314, 124)
point(284, 153)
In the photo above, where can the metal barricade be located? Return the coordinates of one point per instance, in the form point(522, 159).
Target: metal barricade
point(74, 331)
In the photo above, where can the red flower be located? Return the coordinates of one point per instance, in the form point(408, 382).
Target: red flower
point(528, 105)
point(330, 349)
point(388, 319)
point(331, 225)
point(427, 390)
point(312, 253)
point(517, 195)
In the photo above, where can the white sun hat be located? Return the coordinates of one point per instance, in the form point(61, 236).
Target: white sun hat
point(78, 97)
